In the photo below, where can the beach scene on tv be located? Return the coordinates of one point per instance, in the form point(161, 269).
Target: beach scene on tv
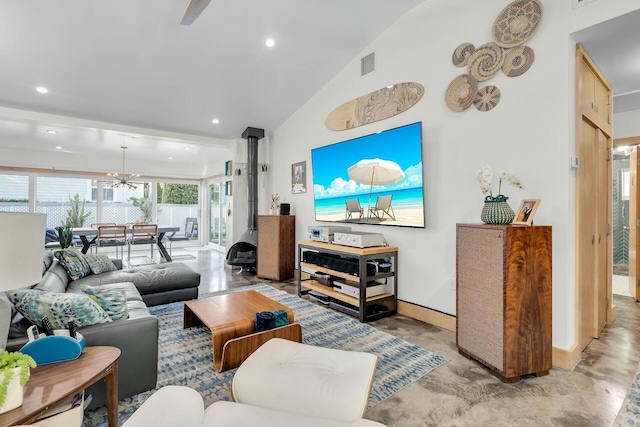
point(374, 179)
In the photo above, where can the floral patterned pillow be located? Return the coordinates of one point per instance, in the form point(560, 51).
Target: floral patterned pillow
point(73, 262)
point(59, 308)
point(100, 263)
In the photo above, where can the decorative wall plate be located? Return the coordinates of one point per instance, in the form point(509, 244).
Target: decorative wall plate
point(462, 53)
point(461, 92)
point(485, 61)
point(487, 98)
point(379, 105)
point(517, 61)
point(517, 23)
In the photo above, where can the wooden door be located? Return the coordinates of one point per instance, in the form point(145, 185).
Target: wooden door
point(633, 224)
point(585, 231)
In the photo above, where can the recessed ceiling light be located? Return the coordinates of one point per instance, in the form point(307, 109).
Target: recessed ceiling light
point(215, 121)
point(58, 148)
point(187, 148)
point(170, 158)
point(52, 131)
point(42, 89)
point(270, 42)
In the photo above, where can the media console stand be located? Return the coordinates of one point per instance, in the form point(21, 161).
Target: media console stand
point(365, 309)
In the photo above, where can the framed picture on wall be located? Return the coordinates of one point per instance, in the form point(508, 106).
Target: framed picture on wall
point(526, 211)
point(299, 177)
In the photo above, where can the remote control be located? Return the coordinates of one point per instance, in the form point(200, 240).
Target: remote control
point(72, 329)
point(46, 325)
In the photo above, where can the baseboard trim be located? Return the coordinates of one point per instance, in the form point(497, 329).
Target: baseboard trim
point(566, 359)
point(445, 321)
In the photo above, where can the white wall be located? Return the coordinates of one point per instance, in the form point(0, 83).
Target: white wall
point(626, 124)
point(530, 133)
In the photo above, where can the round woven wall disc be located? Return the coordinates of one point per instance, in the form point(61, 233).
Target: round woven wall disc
point(461, 92)
point(461, 54)
point(485, 61)
point(487, 98)
point(517, 23)
point(517, 61)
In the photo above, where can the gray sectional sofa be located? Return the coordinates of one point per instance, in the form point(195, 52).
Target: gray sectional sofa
point(137, 335)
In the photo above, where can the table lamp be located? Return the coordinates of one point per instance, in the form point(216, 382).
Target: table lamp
point(21, 254)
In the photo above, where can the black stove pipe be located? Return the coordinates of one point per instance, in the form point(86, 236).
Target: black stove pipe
point(252, 136)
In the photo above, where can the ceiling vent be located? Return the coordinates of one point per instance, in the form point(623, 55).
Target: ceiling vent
point(368, 64)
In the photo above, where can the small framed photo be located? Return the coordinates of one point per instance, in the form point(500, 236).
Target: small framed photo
point(526, 212)
point(299, 178)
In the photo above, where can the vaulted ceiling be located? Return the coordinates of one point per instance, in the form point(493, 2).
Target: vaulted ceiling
point(128, 66)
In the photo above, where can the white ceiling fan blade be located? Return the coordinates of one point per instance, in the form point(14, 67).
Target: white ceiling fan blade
point(194, 10)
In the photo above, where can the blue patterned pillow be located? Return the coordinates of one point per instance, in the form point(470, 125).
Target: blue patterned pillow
point(100, 263)
point(59, 308)
point(112, 301)
point(74, 263)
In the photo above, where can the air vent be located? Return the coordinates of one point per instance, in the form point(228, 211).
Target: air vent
point(368, 64)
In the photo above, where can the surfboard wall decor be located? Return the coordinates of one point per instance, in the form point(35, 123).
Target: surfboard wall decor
point(375, 106)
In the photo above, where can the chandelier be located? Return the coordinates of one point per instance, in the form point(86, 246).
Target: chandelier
point(124, 180)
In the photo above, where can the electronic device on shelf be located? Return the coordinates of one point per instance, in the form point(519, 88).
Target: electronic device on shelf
point(358, 239)
point(353, 288)
point(325, 233)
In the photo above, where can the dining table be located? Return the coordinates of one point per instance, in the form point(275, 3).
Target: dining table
point(89, 235)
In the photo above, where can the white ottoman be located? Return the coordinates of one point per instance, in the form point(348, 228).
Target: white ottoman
point(297, 378)
point(171, 406)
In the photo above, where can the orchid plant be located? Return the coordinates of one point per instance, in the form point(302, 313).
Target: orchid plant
point(485, 177)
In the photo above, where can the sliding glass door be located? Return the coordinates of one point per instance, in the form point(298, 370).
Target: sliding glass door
point(218, 192)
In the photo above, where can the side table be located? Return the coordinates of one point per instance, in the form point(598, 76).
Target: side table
point(49, 385)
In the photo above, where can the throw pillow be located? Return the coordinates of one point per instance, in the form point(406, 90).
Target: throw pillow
point(74, 263)
point(100, 263)
point(59, 308)
point(112, 301)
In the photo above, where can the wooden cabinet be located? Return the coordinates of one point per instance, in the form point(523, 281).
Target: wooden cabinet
point(276, 249)
point(503, 301)
point(365, 308)
point(595, 96)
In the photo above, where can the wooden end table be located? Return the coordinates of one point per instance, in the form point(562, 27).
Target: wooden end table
point(50, 384)
point(231, 318)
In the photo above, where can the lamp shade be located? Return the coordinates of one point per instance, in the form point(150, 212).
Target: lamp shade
point(21, 249)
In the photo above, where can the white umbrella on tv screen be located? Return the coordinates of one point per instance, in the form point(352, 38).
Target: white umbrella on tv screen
point(375, 172)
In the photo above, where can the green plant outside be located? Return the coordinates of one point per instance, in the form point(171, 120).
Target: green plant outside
point(178, 194)
point(9, 361)
point(76, 215)
point(146, 207)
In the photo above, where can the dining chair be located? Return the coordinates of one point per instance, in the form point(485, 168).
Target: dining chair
point(143, 234)
point(112, 236)
point(96, 225)
point(189, 229)
point(353, 207)
point(382, 207)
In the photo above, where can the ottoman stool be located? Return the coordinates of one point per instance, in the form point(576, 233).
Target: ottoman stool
point(169, 406)
point(302, 379)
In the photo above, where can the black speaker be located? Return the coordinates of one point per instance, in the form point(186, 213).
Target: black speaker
point(285, 208)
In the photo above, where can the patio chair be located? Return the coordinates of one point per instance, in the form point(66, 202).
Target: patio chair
point(181, 237)
point(353, 207)
point(143, 234)
point(112, 236)
point(382, 207)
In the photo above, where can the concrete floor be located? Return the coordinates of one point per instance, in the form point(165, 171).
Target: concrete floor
point(462, 392)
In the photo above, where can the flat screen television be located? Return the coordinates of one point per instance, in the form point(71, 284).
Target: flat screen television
point(373, 179)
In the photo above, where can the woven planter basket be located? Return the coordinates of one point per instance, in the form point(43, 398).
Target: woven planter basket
point(496, 210)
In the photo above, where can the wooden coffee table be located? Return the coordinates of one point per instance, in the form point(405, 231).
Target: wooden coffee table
point(49, 385)
point(231, 318)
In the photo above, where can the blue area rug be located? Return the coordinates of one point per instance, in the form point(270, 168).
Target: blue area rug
point(186, 354)
point(629, 414)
